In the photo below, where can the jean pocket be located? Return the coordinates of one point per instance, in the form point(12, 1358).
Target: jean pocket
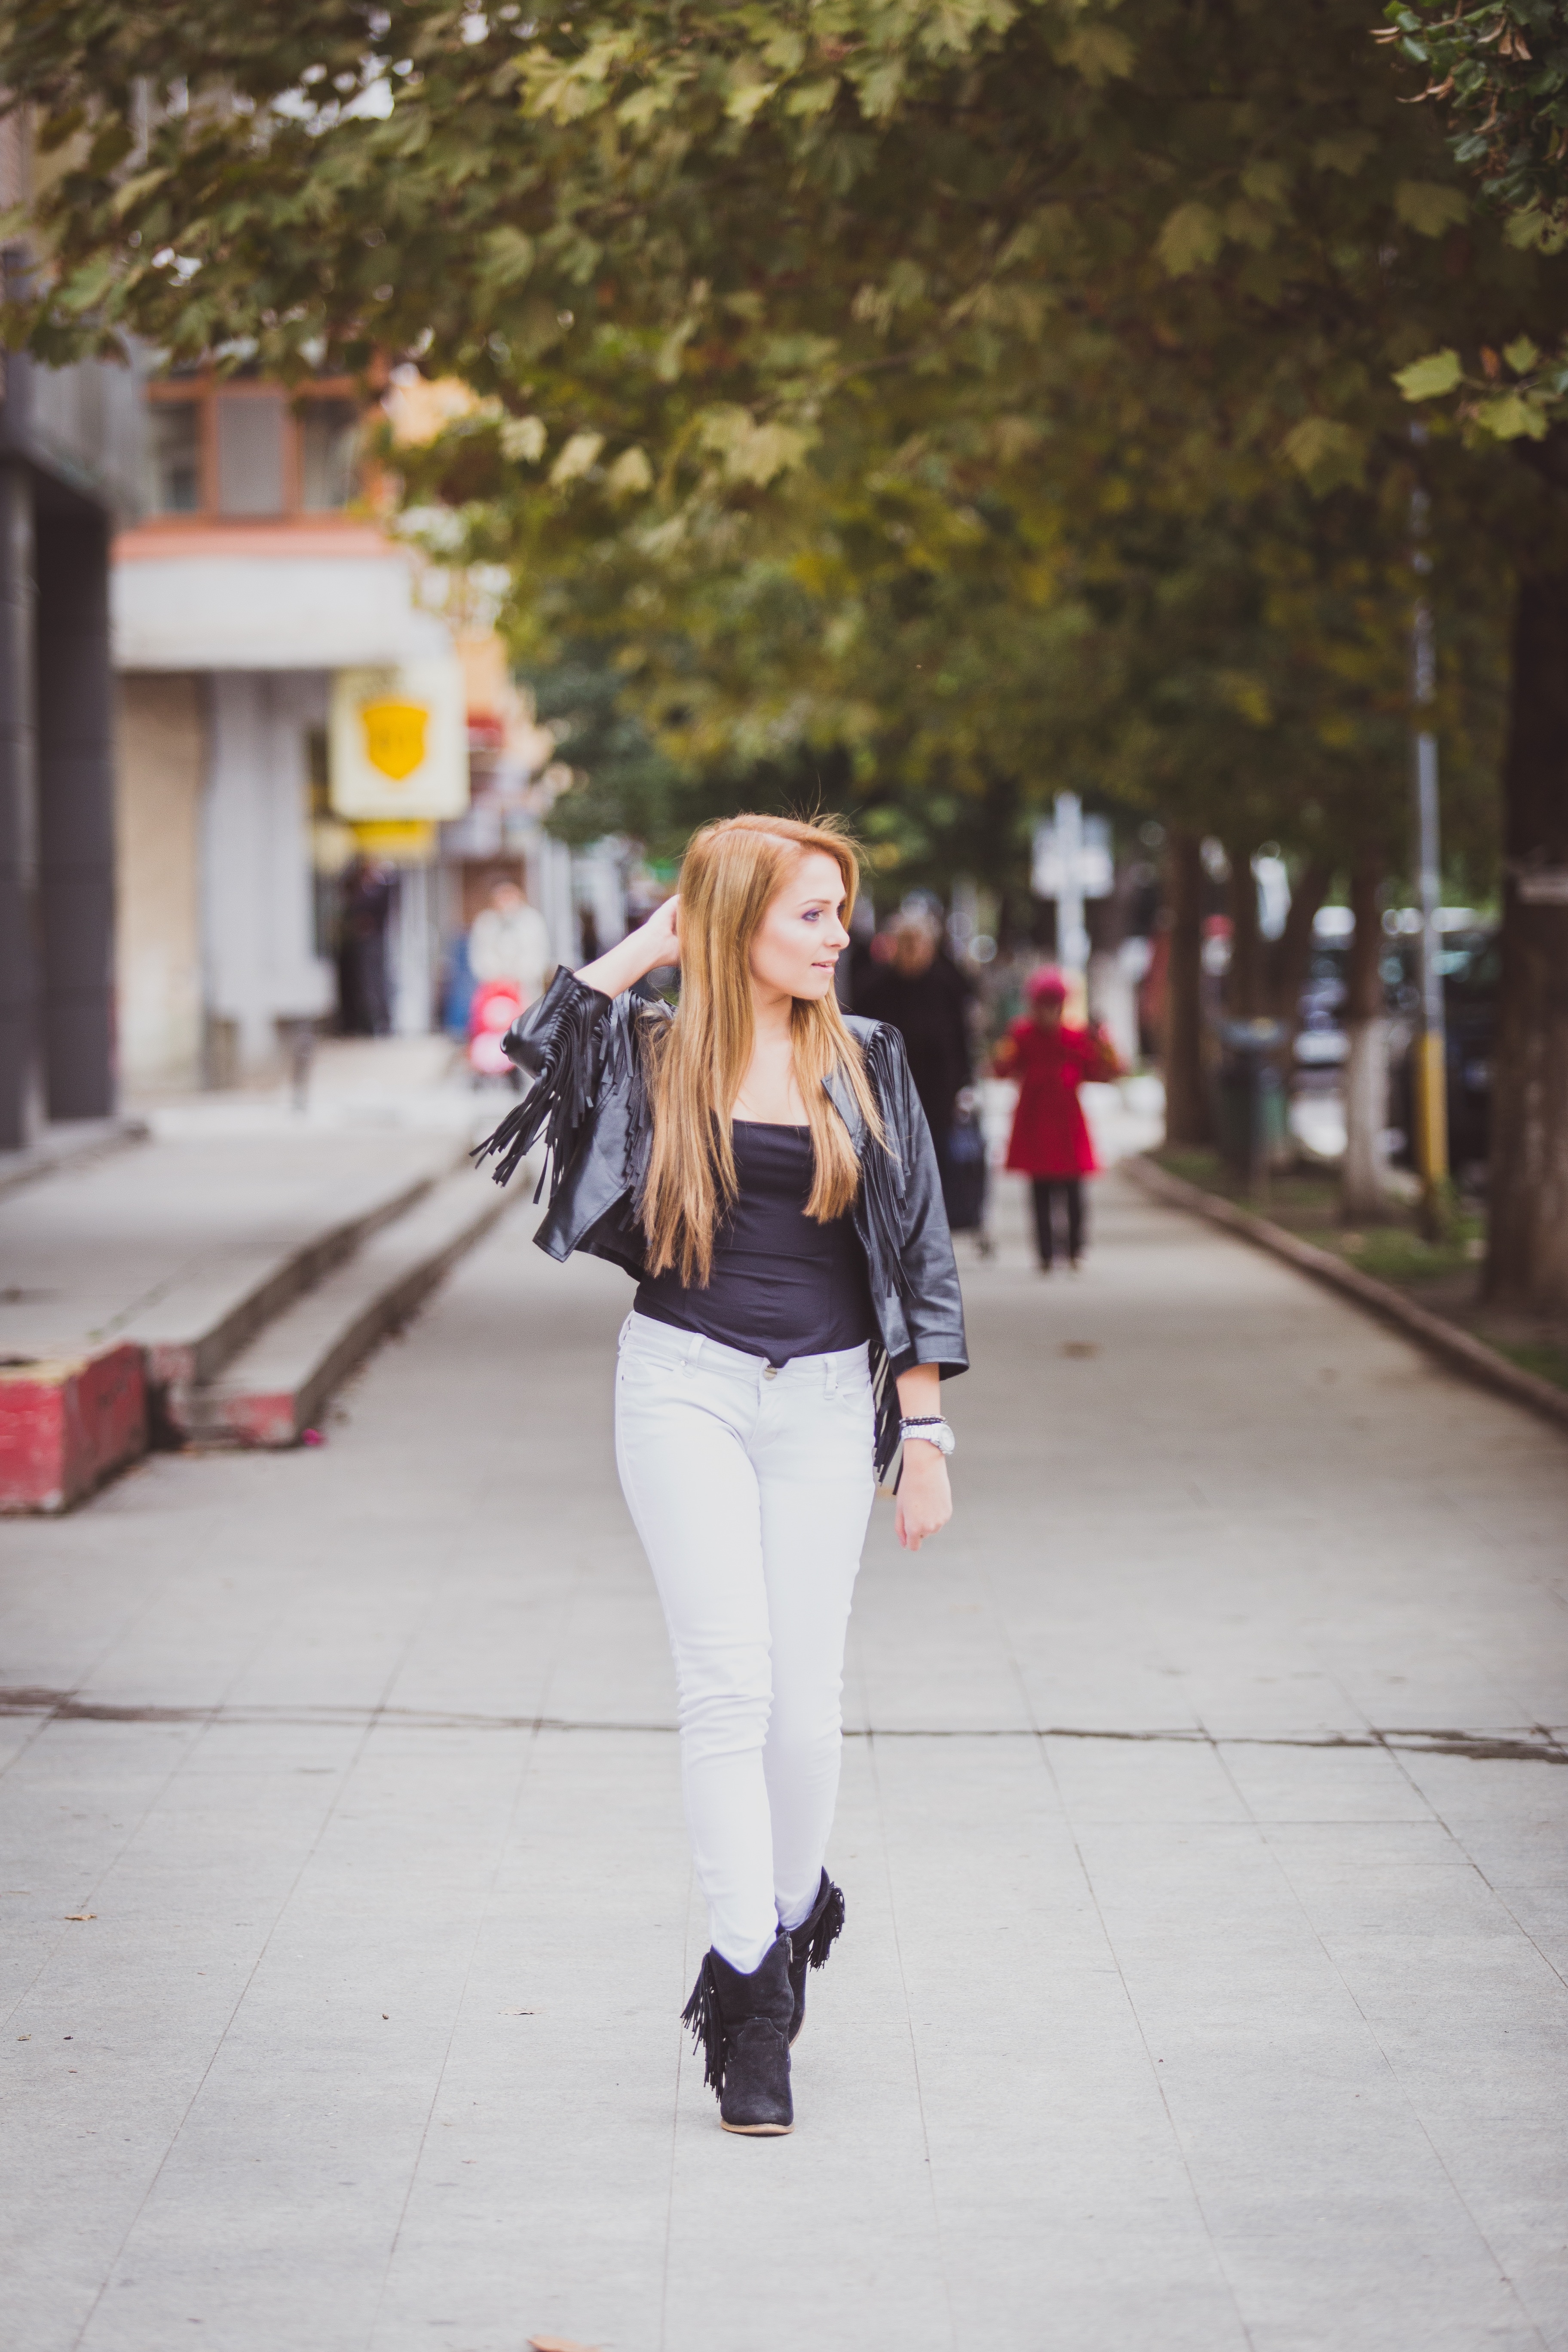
point(856, 1398)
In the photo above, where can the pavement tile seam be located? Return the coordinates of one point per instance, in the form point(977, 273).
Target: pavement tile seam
point(1179, 2139)
point(1228, 2267)
point(1398, 2076)
point(1558, 1753)
point(1018, 1675)
point(189, 2105)
point(437, 2090)
point(913, 2038)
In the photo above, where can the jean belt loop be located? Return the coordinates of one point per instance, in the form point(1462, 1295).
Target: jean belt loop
point(832, 1388)
point(693, 1349)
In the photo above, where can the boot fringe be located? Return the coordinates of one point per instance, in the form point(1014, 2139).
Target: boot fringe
point(827, 1927)
point(701, 2014)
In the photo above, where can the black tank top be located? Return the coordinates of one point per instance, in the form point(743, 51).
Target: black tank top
point(782, 1284)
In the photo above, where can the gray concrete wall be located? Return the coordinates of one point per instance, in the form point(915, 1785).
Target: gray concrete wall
point(75, 809)
point(21, 1087)
point(160, 767)
point(258, 949)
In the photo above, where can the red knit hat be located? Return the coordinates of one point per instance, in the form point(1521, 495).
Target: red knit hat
point(1047, 984)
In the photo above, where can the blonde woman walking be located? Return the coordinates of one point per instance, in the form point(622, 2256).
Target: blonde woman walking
point(762, 1165)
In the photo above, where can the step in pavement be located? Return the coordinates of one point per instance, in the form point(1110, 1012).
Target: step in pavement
point(127, 1290)
point(276, 1387)
point(197, 1326)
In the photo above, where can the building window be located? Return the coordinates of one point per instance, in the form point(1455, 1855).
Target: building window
point(250, 426)
point(177, 444)
point(328, 431)
point(251, 451)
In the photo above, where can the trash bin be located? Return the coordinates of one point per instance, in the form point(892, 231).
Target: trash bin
point(1252, 1123)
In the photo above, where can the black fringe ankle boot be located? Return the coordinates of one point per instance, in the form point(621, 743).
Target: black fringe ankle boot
point(740, 2024)
point(810, 1943)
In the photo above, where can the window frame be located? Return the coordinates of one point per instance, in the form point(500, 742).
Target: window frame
point(202, 391)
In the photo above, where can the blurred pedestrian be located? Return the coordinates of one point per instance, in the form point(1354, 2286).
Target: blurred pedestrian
point(760, 1164)
point(920, 993)
point(1051, 1057)
point(507, 939)
point(365, 911)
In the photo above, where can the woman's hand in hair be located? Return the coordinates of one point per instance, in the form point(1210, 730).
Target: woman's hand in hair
point(654, 943)
point(661, 934)
point(923, 1505)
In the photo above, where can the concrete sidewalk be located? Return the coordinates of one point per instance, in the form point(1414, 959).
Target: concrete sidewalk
point(1202, 1828)
point(89, 1251)
point(216, 1279)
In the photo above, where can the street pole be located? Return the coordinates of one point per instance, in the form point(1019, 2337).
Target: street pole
point(1431, 1092)
point(1072, 932)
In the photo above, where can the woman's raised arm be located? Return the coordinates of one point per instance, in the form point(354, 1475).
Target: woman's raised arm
point(641, 952)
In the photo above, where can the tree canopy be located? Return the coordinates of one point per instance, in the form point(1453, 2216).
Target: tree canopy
point(995, 388)
point(960, 397)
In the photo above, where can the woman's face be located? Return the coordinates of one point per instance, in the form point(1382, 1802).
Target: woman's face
point(800, 939)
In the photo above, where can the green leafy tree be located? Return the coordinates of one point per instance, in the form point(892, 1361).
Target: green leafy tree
point(803, 335)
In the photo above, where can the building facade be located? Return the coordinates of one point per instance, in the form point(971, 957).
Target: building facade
point(71, 466)
point(251, 583)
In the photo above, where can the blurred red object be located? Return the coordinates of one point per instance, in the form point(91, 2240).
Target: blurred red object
point(496, 1005)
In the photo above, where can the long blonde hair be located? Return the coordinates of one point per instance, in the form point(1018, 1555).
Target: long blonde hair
point(730, 875)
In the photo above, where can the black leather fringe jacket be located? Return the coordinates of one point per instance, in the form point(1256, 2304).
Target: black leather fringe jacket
point(590, 1104)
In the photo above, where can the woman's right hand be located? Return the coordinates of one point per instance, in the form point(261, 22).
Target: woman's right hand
point(654, 943)
point(661, 934)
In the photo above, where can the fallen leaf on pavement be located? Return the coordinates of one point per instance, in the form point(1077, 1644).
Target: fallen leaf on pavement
point(82, 1914)
point(557, 2344)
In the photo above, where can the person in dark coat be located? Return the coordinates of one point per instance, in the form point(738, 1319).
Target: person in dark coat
point(920, 993)
point(1050, 1143)
point(364, 993)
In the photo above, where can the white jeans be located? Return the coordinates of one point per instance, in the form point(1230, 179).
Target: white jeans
point(750, 1490)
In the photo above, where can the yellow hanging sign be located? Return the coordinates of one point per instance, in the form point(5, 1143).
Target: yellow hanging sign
point(394, 736)
point(397, 742)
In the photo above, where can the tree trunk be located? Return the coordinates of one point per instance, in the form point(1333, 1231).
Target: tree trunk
point(1527, 1261)
point(1362, 1190)
point(1243, 980)
point(1187, 1120)
point(1287, 956)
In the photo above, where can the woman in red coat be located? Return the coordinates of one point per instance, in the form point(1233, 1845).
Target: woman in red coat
point(1050, 1140)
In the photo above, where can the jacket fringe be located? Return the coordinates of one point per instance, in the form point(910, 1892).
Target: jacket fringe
point(704, 2017)
point(827, 1928)
point(559, 1099)
point(882, 1189)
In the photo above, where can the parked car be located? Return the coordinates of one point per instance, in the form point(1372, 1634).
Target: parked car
point(1469, 975)
point(1321, 1040)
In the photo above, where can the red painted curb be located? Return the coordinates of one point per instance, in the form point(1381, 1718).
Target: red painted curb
point(65, 1425)
point(262, 1418)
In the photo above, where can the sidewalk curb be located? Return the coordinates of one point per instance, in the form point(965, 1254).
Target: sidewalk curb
point(67, 1424)
point(1471, 1358)
point(269, 1393)
point(61, 1151)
